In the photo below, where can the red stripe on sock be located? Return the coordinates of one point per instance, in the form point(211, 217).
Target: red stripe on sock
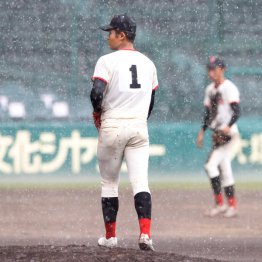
point(219, 199)
point(232, 201)
point(145, 224)
point(110, 229)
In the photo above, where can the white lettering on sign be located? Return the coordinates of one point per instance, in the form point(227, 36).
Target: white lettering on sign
point(28, 157)
point(21, 155)
point(249, 151)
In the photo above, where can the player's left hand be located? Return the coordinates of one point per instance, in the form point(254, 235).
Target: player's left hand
point(200, 138)
point(97, 120)
point(226, 130)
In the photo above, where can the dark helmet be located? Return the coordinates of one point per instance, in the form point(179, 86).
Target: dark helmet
point(122, 23)
point(214, 62)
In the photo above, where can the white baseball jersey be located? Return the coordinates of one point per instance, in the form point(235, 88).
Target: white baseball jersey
point(130, 78)
point(222, 97)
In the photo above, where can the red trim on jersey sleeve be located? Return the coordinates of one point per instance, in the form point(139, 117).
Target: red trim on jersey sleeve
point(100, 78)
point(156, 87)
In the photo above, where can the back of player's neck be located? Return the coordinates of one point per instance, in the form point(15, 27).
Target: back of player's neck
point(127, 46)
point(219, 82)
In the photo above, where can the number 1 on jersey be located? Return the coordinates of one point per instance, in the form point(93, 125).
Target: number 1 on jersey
point(134, 84)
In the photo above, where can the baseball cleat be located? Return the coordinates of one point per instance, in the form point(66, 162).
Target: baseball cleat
point(216, 211)
point(231, 212)
point(110, 242)
point(145, 243)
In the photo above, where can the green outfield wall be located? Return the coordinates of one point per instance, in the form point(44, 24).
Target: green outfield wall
point(70, 148)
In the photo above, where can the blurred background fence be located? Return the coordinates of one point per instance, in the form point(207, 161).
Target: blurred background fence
point(49, 50)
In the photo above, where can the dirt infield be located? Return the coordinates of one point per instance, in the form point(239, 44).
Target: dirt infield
point(64, 224)
point(88, 254)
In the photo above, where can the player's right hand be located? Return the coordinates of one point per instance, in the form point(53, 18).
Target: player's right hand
point(200, 138)
point(97, 120)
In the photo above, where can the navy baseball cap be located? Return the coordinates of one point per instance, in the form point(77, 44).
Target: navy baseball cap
point(214, 62)
point(121, 22)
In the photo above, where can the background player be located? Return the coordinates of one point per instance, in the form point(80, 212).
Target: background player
point(123, 97)
point(221, 113)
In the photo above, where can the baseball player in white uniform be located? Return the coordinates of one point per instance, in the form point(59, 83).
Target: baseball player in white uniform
point(124, 84)
point(221, 113)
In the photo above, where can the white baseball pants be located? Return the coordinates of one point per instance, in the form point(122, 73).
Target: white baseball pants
point(219, 162)
point(119, 139)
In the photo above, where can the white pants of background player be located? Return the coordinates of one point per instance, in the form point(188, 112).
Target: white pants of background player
point(119, 139)
point(219, 162)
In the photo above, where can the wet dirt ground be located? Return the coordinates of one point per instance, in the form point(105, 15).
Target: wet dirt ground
point(64, 224)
